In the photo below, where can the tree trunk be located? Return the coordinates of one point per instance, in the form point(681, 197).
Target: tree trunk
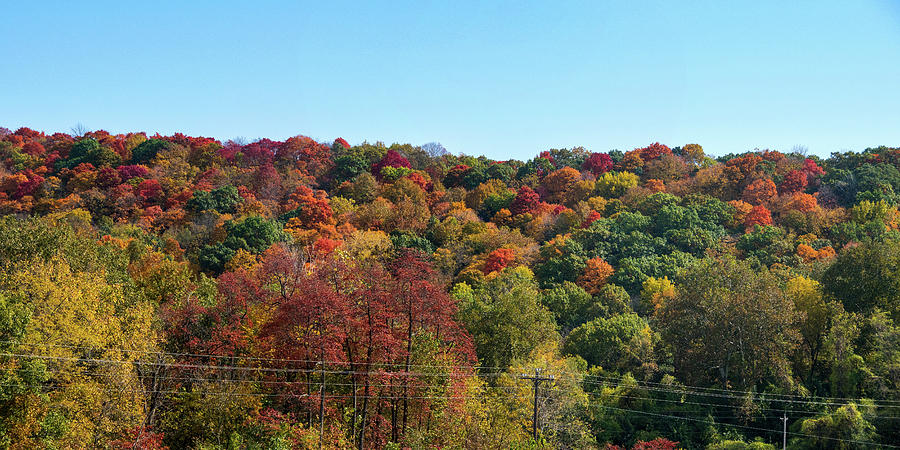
point(367, 390)
point(394, 429)
point(409, 332)
point(353, 387)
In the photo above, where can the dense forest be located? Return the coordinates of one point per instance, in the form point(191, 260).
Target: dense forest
point(182, 292)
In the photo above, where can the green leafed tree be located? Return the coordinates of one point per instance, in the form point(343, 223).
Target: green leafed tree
point(867, 277)
point(505, 317)
point(621, 343)
point(728, 324)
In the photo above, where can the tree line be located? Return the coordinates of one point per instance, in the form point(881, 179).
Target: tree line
point(182, 292)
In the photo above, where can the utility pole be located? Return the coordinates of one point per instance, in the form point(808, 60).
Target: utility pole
point(536, 379)
point(784, 431)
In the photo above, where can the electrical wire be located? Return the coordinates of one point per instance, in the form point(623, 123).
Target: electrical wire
point(667, 416)
point(444, 397)
point(681, 389)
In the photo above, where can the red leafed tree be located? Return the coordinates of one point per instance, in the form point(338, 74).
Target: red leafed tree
point(150, 191)
point(423, 305)
point(455, 175)
point(324, 246)
point(656, 444)
point(371, 339)
point(758, 215)
point(591, 218)
point(307, 325)
point(743, 167)
point(28, 133)
point(219, 329)
point(33, 149)
point(139, 437)
point(759, 191)
point(15, 140)
point(21, 184)
point(420, 180)
point(260, 152)
point(108, 177)
point(548, 156)
point(498, 259)
point(794, 181)
point(653, 151)
point(772, 155)
point(598, 163)
point(341, 142)
point(812, 169)
point(391, 159)
point(229, 150)
point(307, 155)
point(338, 310)
point(266, 182)
point(282, 271)
point(129, 172)
point(526, 200)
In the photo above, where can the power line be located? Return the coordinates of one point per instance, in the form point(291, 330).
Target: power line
point(718, 405)
point(253, 358)
point(672, 389)
point(676, 390)
point(700, 388)
point(587, 379)
point(252, 394)
point(234, 368)
point(308, 383)
point(745, 426)
point(537, 378)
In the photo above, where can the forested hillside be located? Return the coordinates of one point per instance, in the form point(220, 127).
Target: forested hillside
point(181, 292)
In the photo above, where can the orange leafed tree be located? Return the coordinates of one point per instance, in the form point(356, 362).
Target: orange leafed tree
point(595, 275)
point(561, 180)
point(631, 161)
point(810, 254)
point(656, 185)
point(759, 215)
point(803, 202)
point(498, 259)
point(312, 207)
point(760, 191)
point(741, 209)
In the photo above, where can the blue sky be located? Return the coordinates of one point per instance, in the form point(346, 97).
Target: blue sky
point(505, 79)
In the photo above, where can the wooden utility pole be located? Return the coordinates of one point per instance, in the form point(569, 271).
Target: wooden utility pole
point(536, 380)
point(784, 432)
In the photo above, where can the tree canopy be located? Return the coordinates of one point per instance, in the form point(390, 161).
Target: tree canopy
point(185, 292)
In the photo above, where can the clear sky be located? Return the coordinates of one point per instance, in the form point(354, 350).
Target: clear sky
point(505, 79)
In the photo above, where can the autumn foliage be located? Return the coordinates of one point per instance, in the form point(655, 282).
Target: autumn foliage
point(185, 292)
point(596, 273)
point(759, 192)
point(498, 259)
point(598, 163)
point(758, 215)
point(526, 201)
